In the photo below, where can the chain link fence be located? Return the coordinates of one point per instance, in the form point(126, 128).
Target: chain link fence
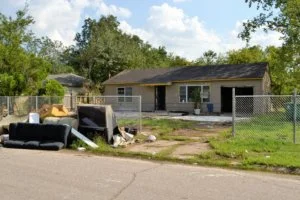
point(127, 109)
point(267, 117)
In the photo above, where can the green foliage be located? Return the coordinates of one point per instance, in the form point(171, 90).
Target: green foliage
point(103, 50)
point(22, 71)
point(196, 98)
point(210, 58)
point(7, 84)
point(246, 55)
point(51, 51)
point(54, 88)
point(282, 16)
point(277, 15)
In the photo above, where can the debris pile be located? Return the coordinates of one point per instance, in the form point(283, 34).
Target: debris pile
point(123, 138)
point(55, 110)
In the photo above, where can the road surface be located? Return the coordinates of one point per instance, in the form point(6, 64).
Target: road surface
point(31, 174)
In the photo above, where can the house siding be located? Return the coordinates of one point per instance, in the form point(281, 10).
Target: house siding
point(172, 93)
point(147, 94)
point(172, 97)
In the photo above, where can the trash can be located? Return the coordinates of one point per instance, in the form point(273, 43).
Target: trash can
point(210, 107)
point(289, 107)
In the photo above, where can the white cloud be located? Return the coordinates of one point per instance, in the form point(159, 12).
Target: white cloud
point(105, 9)
point(188, 37)
point(61, 19)
point(180, 1)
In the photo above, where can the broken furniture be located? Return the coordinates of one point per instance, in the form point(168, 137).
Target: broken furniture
point(97, 119)
point(54, 110)
point(37, 136)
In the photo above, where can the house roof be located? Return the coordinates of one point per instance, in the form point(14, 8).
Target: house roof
point(69, 79)
point(192, 73)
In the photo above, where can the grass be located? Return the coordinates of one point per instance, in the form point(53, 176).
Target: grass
point(260, 143)
point(265, 141)
point(162, 128)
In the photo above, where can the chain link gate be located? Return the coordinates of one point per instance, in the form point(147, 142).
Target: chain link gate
point(267, 117)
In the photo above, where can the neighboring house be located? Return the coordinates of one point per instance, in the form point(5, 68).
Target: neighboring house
point(170, 89)
point(71, 82)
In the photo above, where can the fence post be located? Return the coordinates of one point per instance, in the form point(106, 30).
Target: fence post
point(233, 111)
point(71, 100)
point(140, 109)
point(7, 104)
point(295, 115)
point(36, 103)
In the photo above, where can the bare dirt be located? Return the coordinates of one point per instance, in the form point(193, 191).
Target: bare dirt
point(200, 133)
point(153, 148)
point(189, 150)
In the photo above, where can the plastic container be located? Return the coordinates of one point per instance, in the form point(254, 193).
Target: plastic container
point(210, 107)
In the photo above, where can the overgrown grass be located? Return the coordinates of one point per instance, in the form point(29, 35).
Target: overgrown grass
point(264, 140)
point(162, 128)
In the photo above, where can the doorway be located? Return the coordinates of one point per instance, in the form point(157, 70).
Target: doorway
point(226, 99)
point(160, 97)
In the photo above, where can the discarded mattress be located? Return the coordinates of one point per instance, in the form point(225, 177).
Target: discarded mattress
point(97, 118)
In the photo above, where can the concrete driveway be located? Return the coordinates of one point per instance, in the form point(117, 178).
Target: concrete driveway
point(27, 174)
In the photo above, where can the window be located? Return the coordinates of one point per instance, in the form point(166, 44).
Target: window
point(125, 91)
point(185, 93)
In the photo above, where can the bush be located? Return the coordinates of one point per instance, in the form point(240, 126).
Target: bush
point(54, 88)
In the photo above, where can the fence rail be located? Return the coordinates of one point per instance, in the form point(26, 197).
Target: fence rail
point(267, 117)
point(128, 109)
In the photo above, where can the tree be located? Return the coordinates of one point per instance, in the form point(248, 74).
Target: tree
point(246, 55)
point(282, 16)
point(21, 72)
point(210, 58)
point(54, 88)
point(51, 51)
point(103, 50)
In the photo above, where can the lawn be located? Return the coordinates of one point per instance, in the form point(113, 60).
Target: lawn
point(264, 142)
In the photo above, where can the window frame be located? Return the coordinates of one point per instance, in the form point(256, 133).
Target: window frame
point(125, 97)
point(193, 85)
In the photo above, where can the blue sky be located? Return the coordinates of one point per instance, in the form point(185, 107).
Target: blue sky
point(186, 27)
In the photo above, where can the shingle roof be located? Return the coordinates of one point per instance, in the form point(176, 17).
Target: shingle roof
point(71, 80)
point(193, 73)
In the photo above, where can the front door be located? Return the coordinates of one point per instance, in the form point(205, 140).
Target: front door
point(160, 97)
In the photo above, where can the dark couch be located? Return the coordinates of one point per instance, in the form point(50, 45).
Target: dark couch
point(37, 136)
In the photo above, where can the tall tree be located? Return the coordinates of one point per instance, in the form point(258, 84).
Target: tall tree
point(21, 72)
point(282, 16)
point(246, 55)
point(210, 58)
point(103, 50)
point(52, 51)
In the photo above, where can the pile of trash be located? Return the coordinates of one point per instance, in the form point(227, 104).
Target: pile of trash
point(88, 121)
point(123, 138)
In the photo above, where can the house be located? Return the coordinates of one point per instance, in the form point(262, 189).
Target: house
point(71, 82)
point(170, 89)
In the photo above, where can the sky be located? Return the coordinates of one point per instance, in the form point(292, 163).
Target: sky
point(186, 28)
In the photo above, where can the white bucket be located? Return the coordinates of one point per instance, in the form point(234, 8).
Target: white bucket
point(34, 118)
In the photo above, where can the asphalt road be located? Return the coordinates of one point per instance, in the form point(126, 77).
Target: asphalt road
point(42, 175)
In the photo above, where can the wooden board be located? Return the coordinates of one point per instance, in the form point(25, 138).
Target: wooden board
point(83, 138)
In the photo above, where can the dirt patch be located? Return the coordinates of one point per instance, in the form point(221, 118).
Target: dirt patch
point(152, 148)
point(201, 130)
point(189, 150)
